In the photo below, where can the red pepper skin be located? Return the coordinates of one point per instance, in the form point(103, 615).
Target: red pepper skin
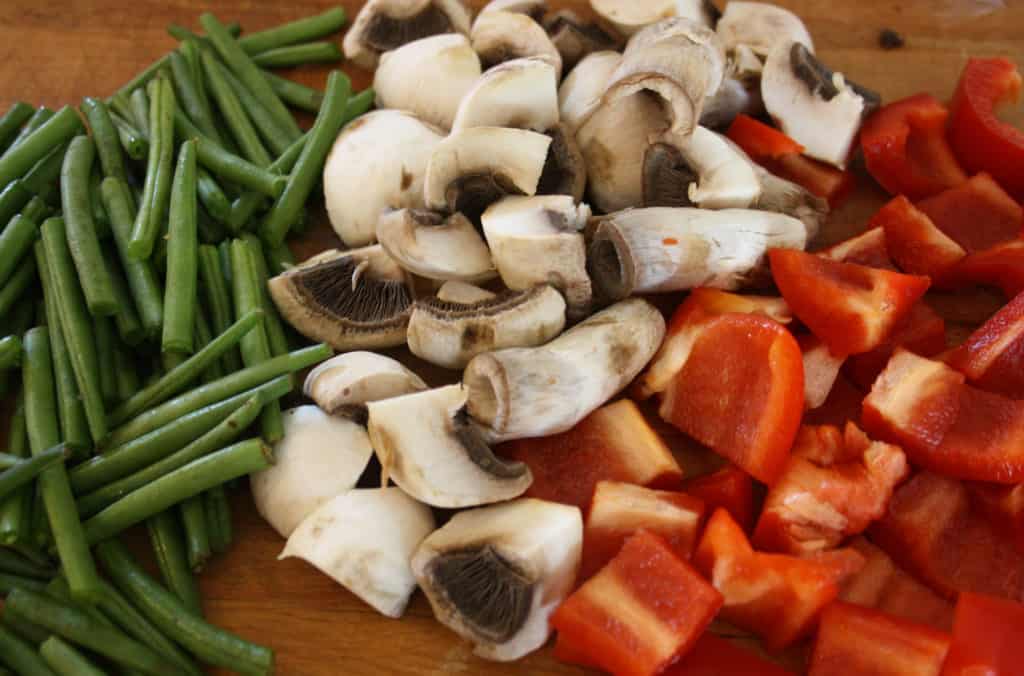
point(981, 141)
point(713, 656)
point(988, 637)
point(729, 488)
point(761, 141)
point(1001, 266)
point(1004, 507)
point(977, 214)
point(869, 248)
point(905, 148)
point(993, 356)
point(913, 241)
point(843, 403)
point(857, 641)
point(922, 331)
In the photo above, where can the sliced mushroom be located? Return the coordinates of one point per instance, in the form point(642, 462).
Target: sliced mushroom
point(428, 77)
point(475, 167)
point(356, 378)
point(535, 9)
point(732, 98)
point(352, 300)
point(318, 457)
point(786, 197)
point(432, 246)
point(581, 91)
point(393, 148)
point(539, 240)
point(565, 171)
point(521, 93)
point(364, 539)
point(502, 36)
point(661, 249)
point(759, 26)
point(449, 334)
point(629, 16)
point(495, 575)
point(461, 292)
point(575, 38)
point(428, 445)
point(815, 107)
point(383, 25)
point(533, 392)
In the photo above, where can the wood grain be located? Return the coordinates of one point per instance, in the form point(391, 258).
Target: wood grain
point(57, 52)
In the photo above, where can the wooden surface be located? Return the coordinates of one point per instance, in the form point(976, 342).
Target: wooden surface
point(57, 52)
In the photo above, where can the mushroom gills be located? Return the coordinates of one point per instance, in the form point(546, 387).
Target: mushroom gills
point(432, 246)
point(823, 81)
point(575, 38)
point(385, 25)
point(565, 172)
point(355, 378)
point(500, 36)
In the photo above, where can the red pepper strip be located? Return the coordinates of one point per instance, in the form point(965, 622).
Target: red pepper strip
point(905, 148)
point(1003, 505)
point(993, 356)
point(821, 368)
point(869, 248)
point(913, 241)
point(981, 141)
point(857, 641)
point(843, 403)
point(1001, 266)
point(729, 488)
point(639, 614)
point(988, 637)
point(933, 531)
point(713, 656)
point(977, 214)
point(922, 332)
point(761, 141)
point(613, 443)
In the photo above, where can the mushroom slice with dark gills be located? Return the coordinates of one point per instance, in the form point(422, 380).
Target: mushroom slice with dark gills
point(431, 449)
point(450, 334)
point(430, 245)
point(383, 25)
point(355, 378)
point(502, 36)
point(565, 171)
point(351, 300)
point(494, 575)
point(575, 38)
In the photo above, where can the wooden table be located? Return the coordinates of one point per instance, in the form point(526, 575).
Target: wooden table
point(57, 52)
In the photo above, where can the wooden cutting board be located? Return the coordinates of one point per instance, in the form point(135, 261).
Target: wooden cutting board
point(56, 52)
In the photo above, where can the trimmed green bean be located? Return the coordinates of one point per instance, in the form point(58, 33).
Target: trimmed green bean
point(192, 96)
point(127, 378)
point(15, 510)
point(159, 172)
point(7, 461)
point(218, 300)
point(44, 176)
point(19, 283)
point(270, 131)
point(204, 336)
point(359, 104)
point(25, 630)
point(10, 352)
point(39, 117)
point(99, 214)
point(218, 517)
point(129, 326)
point(134, 142)
point(36, 210)
point(277, 340)
point(10, 582)
point(139, 106)
point(165, 535)
point(181, 33)
point(216, 203)
point(209, 230)
point(15, 241)
point(13, 563)
point(279, 258)
point(65, 660)
point(302, 30)
point(18, 114)
point(197, 536)
point(182, 256)
point(142, 78)
point(104, 134)
point(13, 199)
point(106, 341)
point(297, 55)
point(294, 93)
point(28, 469)
point(232, 112)
point(243, 209)
point(20, 656)
point(54, 132)
point(233, 168)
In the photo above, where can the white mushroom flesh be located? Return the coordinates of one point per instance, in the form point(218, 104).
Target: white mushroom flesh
point(581, 90)
point(629, 16)
point(384, 25)
point(759, 26)
point(431, 246)
point(355, 378)
point(521, 93)
point(502, 36)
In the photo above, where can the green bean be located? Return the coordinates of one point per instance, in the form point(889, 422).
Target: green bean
point(310, 164)
point(39, 117)
point(103, 330)
point(218, 518)
point(65, 660)
point(43, 177)
point(9, 582)
point(139, 105)
point(99, 214)
point(54, 132)
point(15, 241)
point(159, 171)
point(27, 470)
point(17, 285)
point(134, 142)
point(21, 656)
point(142, 78)
point(297, 55)
point(18, 114)
point(270, 131)
point(15, 510)
point(25, 630)
point(197, 536)
point(243, 209)
point(209, 230)
point(81, 229)
point(192, 96)
point(232, 112)
point(129, 326)
point(14, 563)
point(8, 460)
point(127, 378)
point(276, 338)
point(181, 33)
point(359, 104)
point(41, 420)
point(294, 93)
point(13, 198)
point(39, 528)
point(204, 336)
point(279, 258)
point(104, 134)
point(165, 535)
point(76, 325)
point(233, 168)
point(212, 197)
point(10, 351)
point(217, 299)
point(302, 30)
point(36, 210)
point(182, 255)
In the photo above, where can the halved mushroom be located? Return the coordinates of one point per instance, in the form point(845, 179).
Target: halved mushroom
point(429, 446)
point(661, 249)
point(534, 392)
point(432, 246)
point(383, 25)
point(539, 240)
point(521, 93)
point(449, 334)
point(759, 26)
point(319, 457)
point(581, 91)
point(535, 9)
point(735, 96)
point(475, 167)
point(352, 300)
point(786, 197)
point(575, 38)
point(817, 108)
point(495, 575)
point(364, 539)
point(393, 148)
point(629, 16)
point(502, 36)
point(565, 171)
point(428, 77)
point(355, 378)
point(463, 293)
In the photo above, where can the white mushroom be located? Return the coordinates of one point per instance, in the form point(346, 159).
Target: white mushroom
point(735, 96)
point(393, 148)
point(364, 539)
point(575, 38)
point(758, 27)
point(450, 334)
point(428, 445)
point(432, 246)
point(495, 575)
point(319, 457)
point(534, 9)
point(461, 292)
point(502, 36)
point(581, 90)
point(356, 378)
point(428, 77)
point(629, 16)
point(383, 25)
point(533, 392)
point(521, 93)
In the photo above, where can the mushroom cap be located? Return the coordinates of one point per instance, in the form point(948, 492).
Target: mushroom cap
point(461, 292)
point(521, 93)
point(318, 457)
point(428, 77)
point(356, 378)
point(760, 26)
point(432, 246)
point(575, 39)
point(735, 96)
point(502, 36)
point(565, 171)
point(535, 9)
point(383, 25)
point(393, 148)
point(581, 90)
point(629, 16)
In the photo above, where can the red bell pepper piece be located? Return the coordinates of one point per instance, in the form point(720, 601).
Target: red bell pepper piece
point(858, 641)
point(713, 656)
point(843, 403)
point(619, 510)
point(821, 368)
point(852, 308)
point(1004, 507)
point(988, 637)
point(913, 241)
point(922, 332)
point(639, 614)
point(868, 248)
point(613, 443)
point(905, 148)
point(1001, 266)
point(775, 596)
point(933, 531)
point(834, 486)
point(729, 488)
point(761, 141)
point(977, 214)
point(981, 141)
point(993, 356)
point(881, 584)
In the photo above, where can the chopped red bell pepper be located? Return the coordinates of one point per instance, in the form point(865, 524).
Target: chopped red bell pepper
point(884, 586)
point(775, 596)
point(619, 510)
point(993, 356)
point(714, 656)
point(977, 214)
point(988, 637)
point(1004, 507)
point(639, 614)
point(1001, 266)
point(906, 150)
point(981, 141)
point(852, 308)
point(614, 443)
point(933, 531)
point(858, 641)
point(922, 331)
point(821, 368)
point(843, 403)
point(913, 241)
point(718, 302)
point(868, 248)
point(729, 488)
